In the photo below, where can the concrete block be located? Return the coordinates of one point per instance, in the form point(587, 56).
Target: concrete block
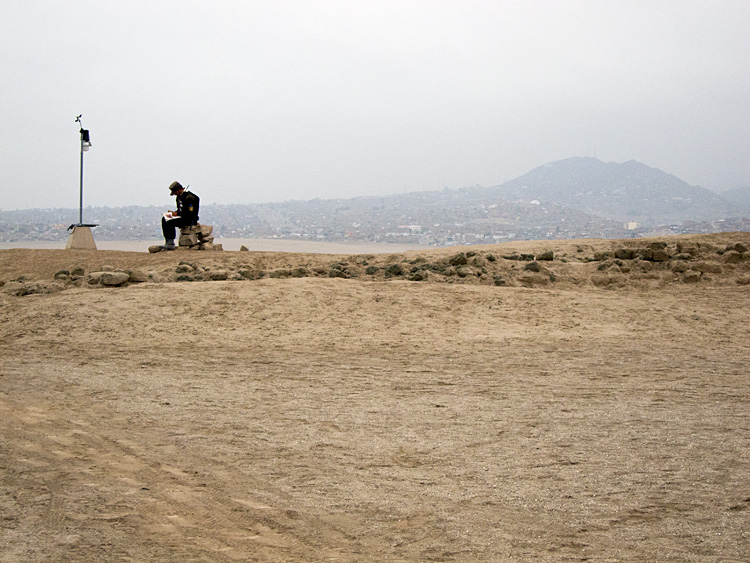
point(81, 239)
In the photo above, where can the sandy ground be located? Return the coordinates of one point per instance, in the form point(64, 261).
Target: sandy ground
point(232, 244)
point(365, 419)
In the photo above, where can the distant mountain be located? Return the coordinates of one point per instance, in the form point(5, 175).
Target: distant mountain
point(570, 199)
point(628, 191)
point(739, 198)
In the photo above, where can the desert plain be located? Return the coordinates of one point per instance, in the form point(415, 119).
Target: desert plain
point(536, 401)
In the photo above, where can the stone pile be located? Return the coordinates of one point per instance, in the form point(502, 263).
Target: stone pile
point(197, 237)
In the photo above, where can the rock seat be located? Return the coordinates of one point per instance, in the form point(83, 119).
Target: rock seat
point(197, 237)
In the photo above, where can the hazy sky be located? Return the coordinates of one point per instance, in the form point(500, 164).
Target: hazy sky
point(251, 101)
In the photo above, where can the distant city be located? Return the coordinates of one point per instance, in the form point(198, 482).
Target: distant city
point(569, 199)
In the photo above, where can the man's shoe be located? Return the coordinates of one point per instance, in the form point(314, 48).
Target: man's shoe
point(168, 246)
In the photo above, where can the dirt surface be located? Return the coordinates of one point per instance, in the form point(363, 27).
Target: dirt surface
point(588, 408)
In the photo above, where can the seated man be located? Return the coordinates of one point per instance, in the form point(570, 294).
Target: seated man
point(186, 214)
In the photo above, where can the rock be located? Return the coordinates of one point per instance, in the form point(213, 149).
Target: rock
point(547, 255)
point(520, 257)
point(683, 256)
point(531, 280)
point(371, 270)
point(188, 239)
point(16, 288)
point(624, 253)
point(739, 247)
point(660, 255)
point(62, 275)
point(644, 253)
point(154, 249)
point(114, 279)
point(680, 266)
point(604, 255)
point(691, 276)
point(395, 270)
point(603, 280)
point(499, 280)
point(137, 276)
point(420, 275)
point(107, 269)
point(339, 270)
point(533, 267)
point(707, 267)
point(218, 275)
point(464, 272)
point(458, 259)
point(477, 262)
point(244, 248)
point(732, 257)
point(197, 237)
point(251, 274)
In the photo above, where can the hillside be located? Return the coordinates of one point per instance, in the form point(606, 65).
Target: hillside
point(570, 199)
point(739, 198)
point(628, 191)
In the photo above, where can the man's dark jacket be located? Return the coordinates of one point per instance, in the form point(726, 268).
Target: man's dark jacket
point(187, 207)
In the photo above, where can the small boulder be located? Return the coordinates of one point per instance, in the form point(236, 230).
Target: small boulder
point(624, 253)
point(458, 259)
point(533, 267)
point(395, 270)
point(114, 279)
point(16, 288)
point(533, 280)
point(137, 276)
point(251, 274)
point(707, 267)
point(691, 276)
point(603, 255)
point(680, 266)
point(732, 257)
point(546, 255)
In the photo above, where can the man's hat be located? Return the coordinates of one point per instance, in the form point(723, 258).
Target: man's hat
point(175, 187)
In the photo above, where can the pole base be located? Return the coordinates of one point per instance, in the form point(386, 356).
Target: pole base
point(81, 239)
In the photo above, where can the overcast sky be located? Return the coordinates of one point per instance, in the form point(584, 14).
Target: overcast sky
point(250, 101)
